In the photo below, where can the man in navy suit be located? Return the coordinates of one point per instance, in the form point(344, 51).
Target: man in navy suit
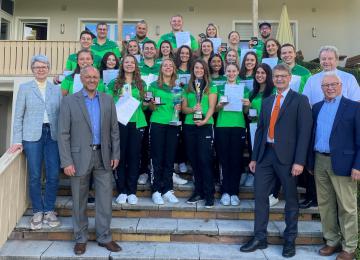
point(335, 160)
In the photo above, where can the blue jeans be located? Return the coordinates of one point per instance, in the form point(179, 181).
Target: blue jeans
point(45, 149)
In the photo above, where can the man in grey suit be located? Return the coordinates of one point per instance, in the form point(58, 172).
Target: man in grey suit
point(89, 142)
point(281, 143)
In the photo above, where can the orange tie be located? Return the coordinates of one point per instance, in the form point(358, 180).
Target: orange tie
point(274, 116)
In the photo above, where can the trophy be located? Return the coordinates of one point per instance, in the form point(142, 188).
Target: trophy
point(176, 94)
point(148, 95)
point(224, 99)
point(252, 114)
point(198, 115)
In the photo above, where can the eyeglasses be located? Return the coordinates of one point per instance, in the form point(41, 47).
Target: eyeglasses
point(40, 68)
point(330, 85)
point(280, 76)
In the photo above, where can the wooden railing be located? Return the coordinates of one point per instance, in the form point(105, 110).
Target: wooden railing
point(13, 192)
point(15, 56)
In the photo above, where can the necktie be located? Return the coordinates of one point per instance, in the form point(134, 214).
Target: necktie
point(274, 116)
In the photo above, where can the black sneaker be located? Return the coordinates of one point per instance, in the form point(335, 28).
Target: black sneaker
point(194, 199)
point(209, 203)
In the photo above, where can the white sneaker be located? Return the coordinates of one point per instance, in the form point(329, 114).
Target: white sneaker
point(50, 219)
point(249, 182)
point(183, 168)
point(132, 199)
point(243, 179)
point(170, 197)
point(273, 201)
point(234, 200)
point(157, 199)
point(178, 180)
point(225, 199)
point(36, 221)
point(143, 178)
point(121, 199)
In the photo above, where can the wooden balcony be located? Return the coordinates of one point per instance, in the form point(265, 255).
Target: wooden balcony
point(15, 56)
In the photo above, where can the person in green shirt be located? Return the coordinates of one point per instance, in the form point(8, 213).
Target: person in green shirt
point(163, 135)
point(288, 55)
point(176, 23)
point(84, 59)
point(102, 44)
point(141, 31)
point(148, 65)
point(108, 62)
point(247, 69)
point(230, 134)
point(86, 40)
point(132, 47)
point(206, 50)
point(231, 56)
point(272, 49)
point(200, 99)
point(265, 33)
point(165, 52)
point(129, 83)
point(216, 68)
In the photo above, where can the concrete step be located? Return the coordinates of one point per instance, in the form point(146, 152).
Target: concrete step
point(50, 250)
point(146, 208)
point(182, 191)
point(173, 230)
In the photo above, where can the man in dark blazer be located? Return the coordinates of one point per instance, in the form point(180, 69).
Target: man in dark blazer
point(280, 149)
point(89, 143)
point(334, 158)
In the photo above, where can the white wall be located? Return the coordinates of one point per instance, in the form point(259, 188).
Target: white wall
point(336, 21)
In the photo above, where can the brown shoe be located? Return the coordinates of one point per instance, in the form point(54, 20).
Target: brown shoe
point(345, 256)
point(79, 248)
point(111, 246)
point(329, 250)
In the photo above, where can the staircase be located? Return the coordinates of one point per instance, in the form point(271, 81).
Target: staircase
point(178, 231)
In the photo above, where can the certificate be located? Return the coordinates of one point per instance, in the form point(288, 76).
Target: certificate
point(235, 93)
point(243, 53)
point(216, 43)
point(77, 86)
point(253, 127)
point(125, 108)
point(272, 62)
point(248, 83)
point(295, 82)
point(109, 75)
point(183, 38)
point(149, 78)
point(184, 78)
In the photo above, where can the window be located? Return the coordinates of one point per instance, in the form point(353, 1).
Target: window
point(128, 28)
point(246, 30)
point(34, 29)
point(4, 29)
point(7, 6)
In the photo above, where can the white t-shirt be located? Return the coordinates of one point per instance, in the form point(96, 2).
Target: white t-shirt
point(350, 87)
point(42, 88)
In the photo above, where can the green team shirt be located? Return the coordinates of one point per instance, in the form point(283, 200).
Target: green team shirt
point(138, 117)
point(108, 46)
point(219, 80)
point(172, 39)
point(182, 72)
point(68, 85)
point(304, 73)
point(230, 118)
point(71, 62)
point(256, 104)
point(146, 39)
point(146, 70)
point(259, 49)
point(163, 113)
point(191, 100)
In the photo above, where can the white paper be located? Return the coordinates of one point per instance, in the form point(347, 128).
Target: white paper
point(235, 94)
point(248, 83)
point(183, 38)
point(65, 73)
point(295, 82)
point(149, 78)
point(253, 127)
point(184, 78)
point(109, 75)
point(125, 108)
point(243, 53)
point(77, 86)
point(272, 62)
point(216, 43)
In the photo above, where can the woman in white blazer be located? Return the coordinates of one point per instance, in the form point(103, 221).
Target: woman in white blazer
point(35, 131)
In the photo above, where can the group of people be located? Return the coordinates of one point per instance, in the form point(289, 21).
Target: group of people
point(197, 106)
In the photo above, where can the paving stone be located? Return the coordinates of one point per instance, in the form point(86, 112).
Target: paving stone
point(157, 226)
point(24, 250)
point(64, 250)
point(242, 228)
point(305, 228)
point(197, 226)
point(124, 225)
point(180, 206)
point(135, 251)
point(227, 252)
point(176, 251)
point(302, 252)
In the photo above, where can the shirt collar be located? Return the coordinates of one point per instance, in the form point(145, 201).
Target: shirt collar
point(85, 94)
point(333, 101)
point(284, 93)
